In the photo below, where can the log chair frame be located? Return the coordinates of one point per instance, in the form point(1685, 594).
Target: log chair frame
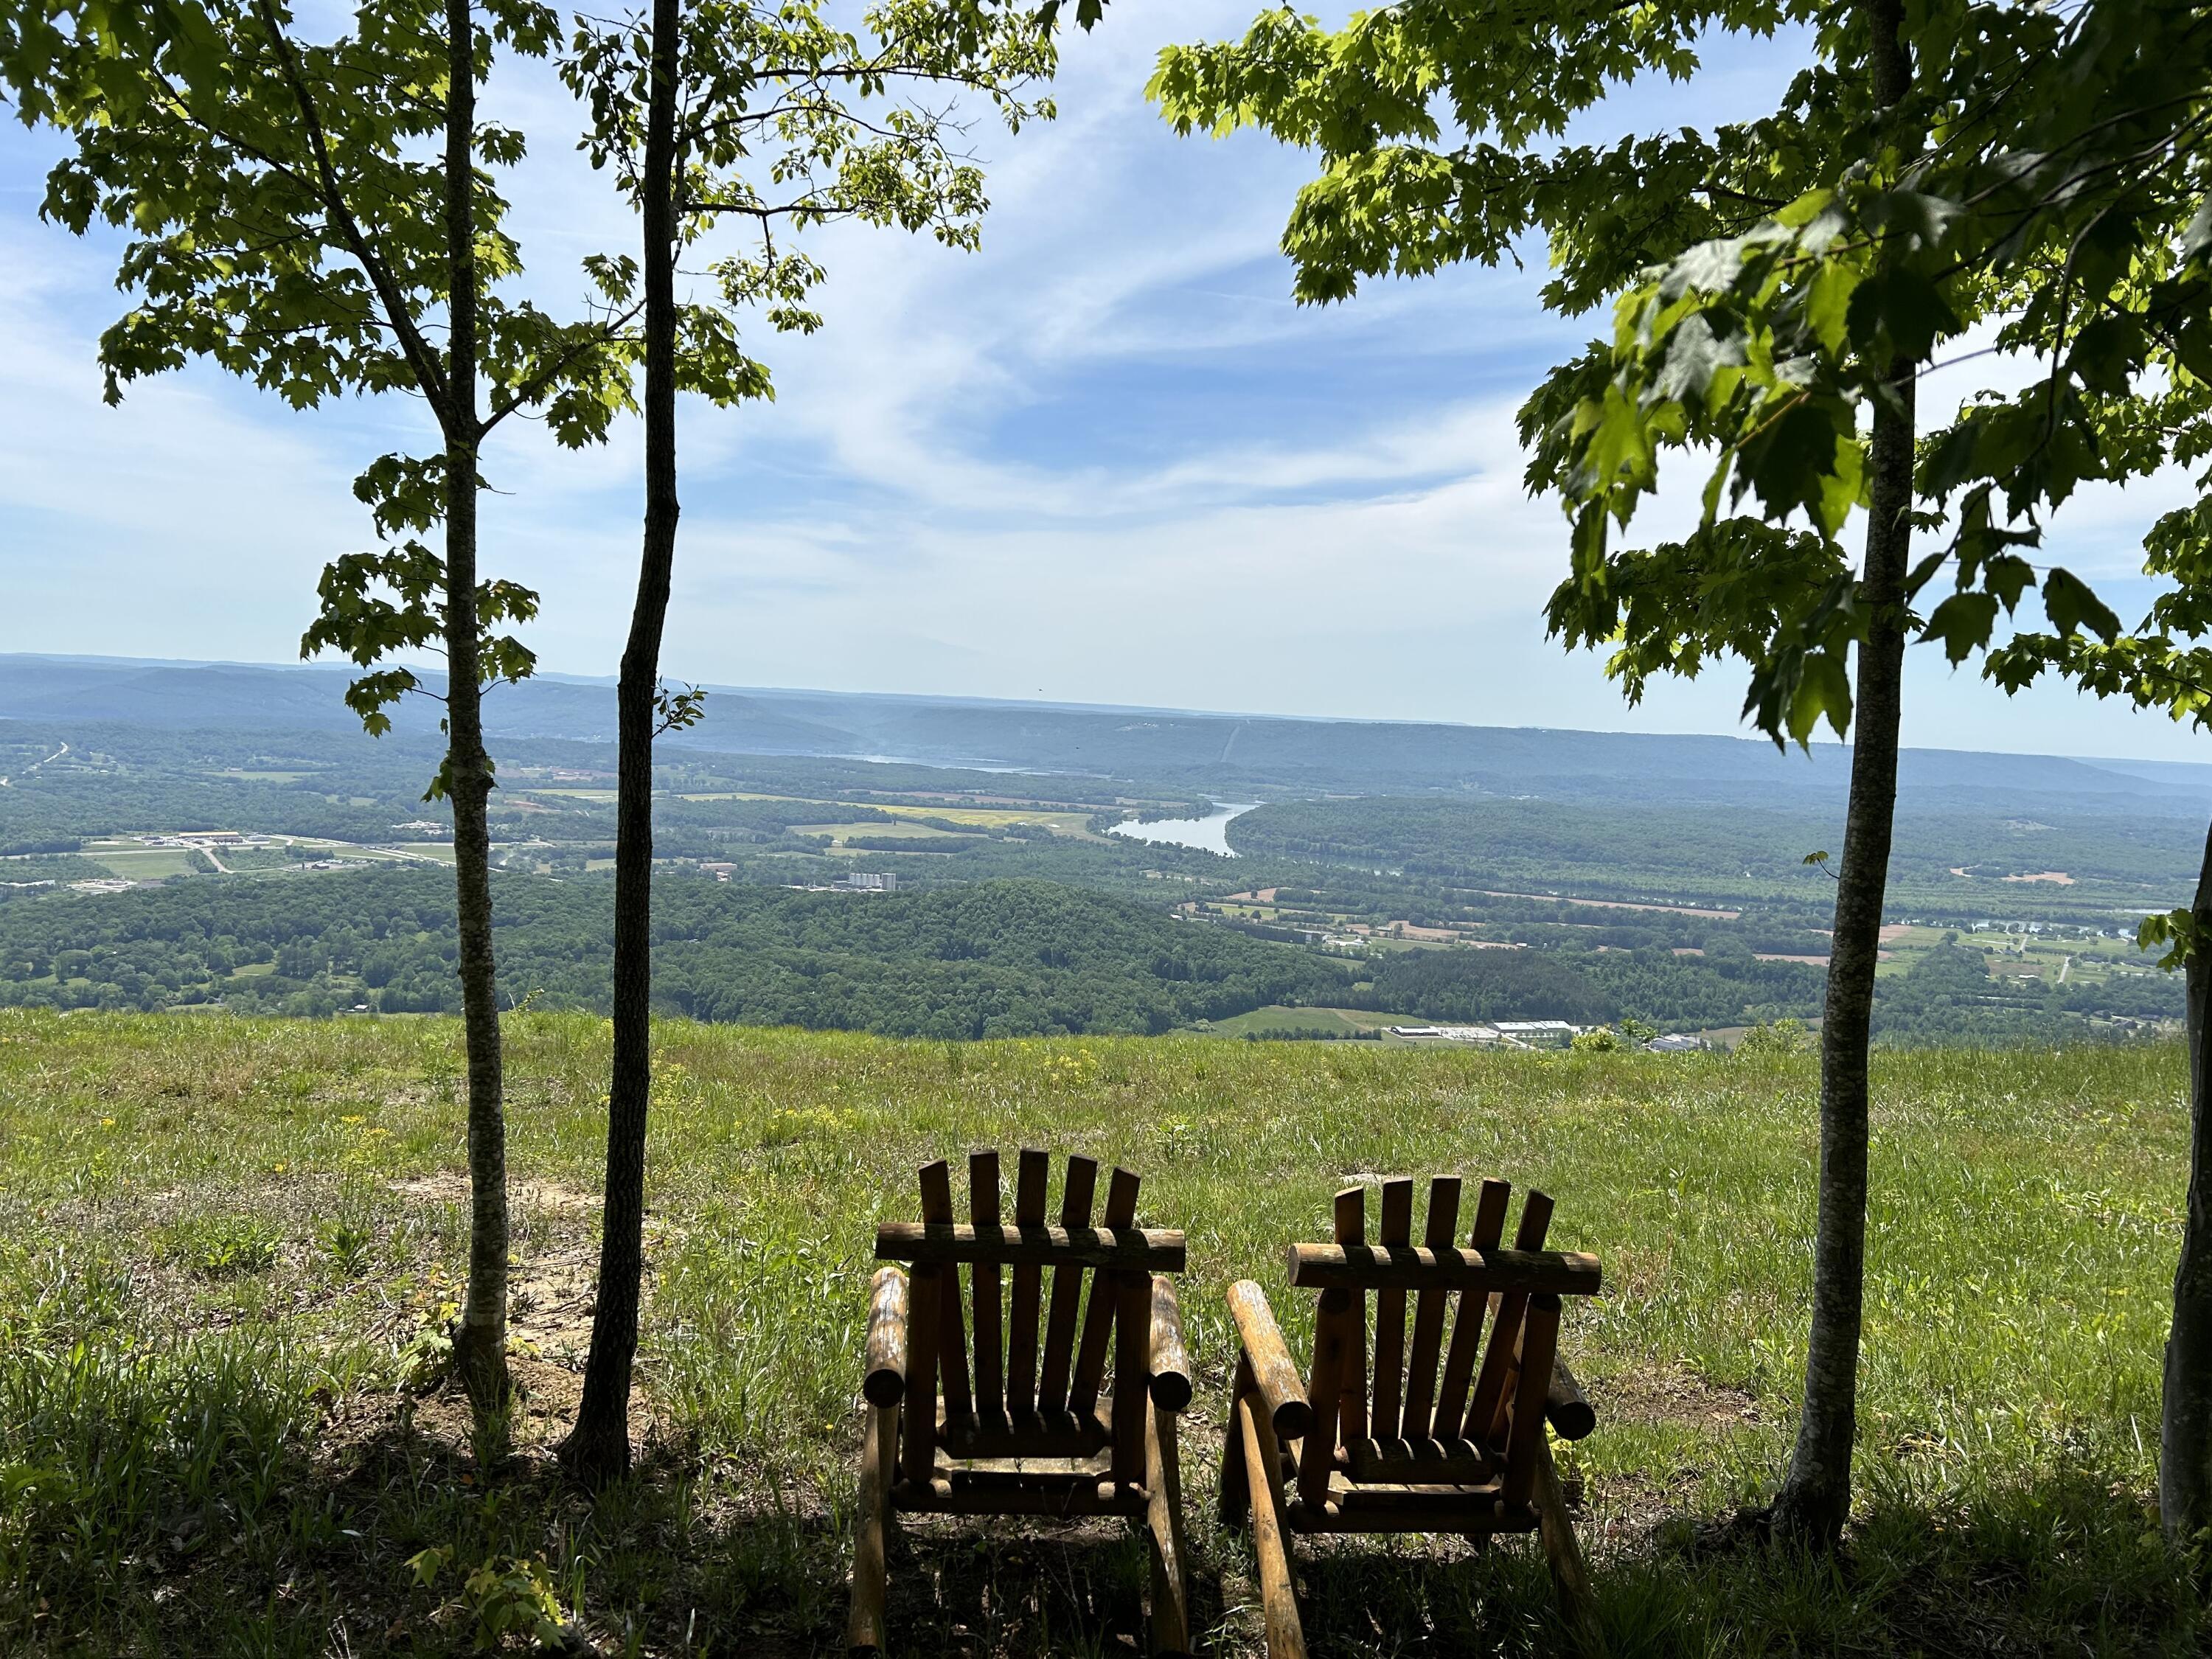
point(1461, 1451)
point(1022, 1429)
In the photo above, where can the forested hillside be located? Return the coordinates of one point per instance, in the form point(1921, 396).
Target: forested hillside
point(1002, 958)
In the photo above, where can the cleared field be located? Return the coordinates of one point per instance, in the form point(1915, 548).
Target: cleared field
point(225, 1247)
point(839, 833)
point(142, 863)
point(1335, 1022)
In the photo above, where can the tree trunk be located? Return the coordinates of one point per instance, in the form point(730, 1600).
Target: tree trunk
point(598, 1447)
point(2184, 1463)
point(480, 1346)
point(1815, 1499)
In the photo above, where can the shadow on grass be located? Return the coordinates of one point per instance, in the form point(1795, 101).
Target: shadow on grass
point(212, 1503)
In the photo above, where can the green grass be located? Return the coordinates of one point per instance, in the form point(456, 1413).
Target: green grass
point(227, 1248)
point(1342, 1023)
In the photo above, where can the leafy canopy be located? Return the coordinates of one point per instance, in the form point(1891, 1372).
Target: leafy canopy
point(282, 201)
point(1769, 279)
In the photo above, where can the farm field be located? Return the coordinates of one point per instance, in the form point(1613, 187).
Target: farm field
point(227, 1248)
point(1333, 1021)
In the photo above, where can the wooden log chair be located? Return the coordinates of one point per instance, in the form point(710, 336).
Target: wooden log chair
point(1380, 1443)
point(1004, 1428)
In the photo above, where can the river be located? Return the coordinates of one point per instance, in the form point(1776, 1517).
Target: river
point(1207, 835)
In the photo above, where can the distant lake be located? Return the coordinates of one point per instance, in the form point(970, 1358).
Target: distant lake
point(1208, 834)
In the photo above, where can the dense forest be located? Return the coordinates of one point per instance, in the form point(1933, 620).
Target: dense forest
point(1945, 995)
point(1003, 958)
point(1694, 854)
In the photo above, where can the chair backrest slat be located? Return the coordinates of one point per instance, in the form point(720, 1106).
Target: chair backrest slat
point(1351, 1219)
point(1105, 1295)
point(990, 1329)
point(1486, 1412)
point(951, 1335)
point(918, 1448)
point(1467, 1329)
point(1022, 1321)
point(1540, 1340)
point(1082, 1179)
point(1132, 1289)
point(1391, 1316)
point(1439, 1233)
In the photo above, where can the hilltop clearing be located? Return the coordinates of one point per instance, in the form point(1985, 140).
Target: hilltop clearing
point(228, 1247)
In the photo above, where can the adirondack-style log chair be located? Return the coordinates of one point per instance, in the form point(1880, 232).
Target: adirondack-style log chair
point(1004, 1428)
point(1382, 1443)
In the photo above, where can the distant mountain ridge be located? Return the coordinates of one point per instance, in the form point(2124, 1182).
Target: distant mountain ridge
point(1236, 757)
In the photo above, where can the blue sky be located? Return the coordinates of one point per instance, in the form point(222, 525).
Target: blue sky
point(1104, 459)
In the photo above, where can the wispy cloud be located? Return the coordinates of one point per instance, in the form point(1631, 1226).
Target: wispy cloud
point(1104, 458)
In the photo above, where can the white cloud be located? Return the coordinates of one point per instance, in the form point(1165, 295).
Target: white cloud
point(1105, 458)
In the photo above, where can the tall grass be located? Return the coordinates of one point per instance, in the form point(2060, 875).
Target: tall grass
point(226, 1244)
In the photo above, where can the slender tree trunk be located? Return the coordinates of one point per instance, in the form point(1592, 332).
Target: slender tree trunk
point(2185, 1464)
point(480, 1346)
point(598, 1447)
point(1815, 1499)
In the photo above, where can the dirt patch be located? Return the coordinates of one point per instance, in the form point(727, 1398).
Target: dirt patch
point(2056, 877)
point(551, 1302)
point(452, 1187)
point(1672, 1398)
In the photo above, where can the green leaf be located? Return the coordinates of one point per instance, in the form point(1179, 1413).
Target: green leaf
point(2071, 606)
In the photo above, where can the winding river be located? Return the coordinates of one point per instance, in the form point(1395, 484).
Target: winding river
point(1207, 835)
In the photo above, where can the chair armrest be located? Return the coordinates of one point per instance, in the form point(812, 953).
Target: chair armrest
point(1572, 1414)
point(1277, 1378)
point(1170, 1360)
point(886, 1379)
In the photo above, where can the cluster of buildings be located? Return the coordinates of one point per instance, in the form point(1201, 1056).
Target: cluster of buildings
point(1504, 1033)
point(860, 881)
point(1531, 1033)
point(201, 840)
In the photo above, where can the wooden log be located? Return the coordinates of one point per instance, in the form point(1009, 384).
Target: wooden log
point(1459, 1520)
point(1387, 1395)
point(1274, 1374)
point(1170, 1554)
point(918, 1415)
point(990, 1323)
point(1279, 1604)
point(1479, 1499)
point(1133, 1347)
point(1170, 1362)
point(1566, 1406)
point(1022, 1318)
point(1080, 1183)
point(1332, 1341)
point(1232, 1507)
point(1417, 1419)
point(1350, 1216)
point(952, 1326)
point(1493, 1387)
point(1420, 1463)
point(1157, 1250)
point(1569, 1573)
point(1105, 1295)
point(1413, 1267)
point(1057, 1434)
point(1467, 1329)
point(945, 1497)
point(863, 1624)
point(885, 1383)
point(1539, 1336)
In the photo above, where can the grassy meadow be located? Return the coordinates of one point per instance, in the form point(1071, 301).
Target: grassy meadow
point(228, 1248)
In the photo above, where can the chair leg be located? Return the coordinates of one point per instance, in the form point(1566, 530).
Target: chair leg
point(1231, 1502)
point(864, 1627)
point(1263, 1479)
point(1163, 1531)
point(1570, 1575)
